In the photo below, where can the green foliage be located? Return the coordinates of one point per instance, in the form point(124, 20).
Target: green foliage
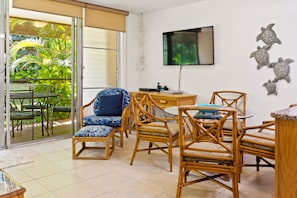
point(44, 61)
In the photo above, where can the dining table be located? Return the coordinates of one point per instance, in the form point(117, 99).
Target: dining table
point(173, 110)
point(22, 95)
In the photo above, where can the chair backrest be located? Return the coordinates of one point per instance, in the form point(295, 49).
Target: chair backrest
point(146, 109)
point(208, 133)
point(19, 98)
point(203, 149)
point(110, 92)
point(229, 98)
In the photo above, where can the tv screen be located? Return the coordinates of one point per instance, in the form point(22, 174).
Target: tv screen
point(189, 47)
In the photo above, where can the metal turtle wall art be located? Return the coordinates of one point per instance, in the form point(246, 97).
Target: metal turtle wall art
point(268, 36)
point(271, 87)
point(261, 56)
point(282, 69)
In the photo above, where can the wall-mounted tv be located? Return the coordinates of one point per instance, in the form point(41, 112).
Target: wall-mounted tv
point(189, 47)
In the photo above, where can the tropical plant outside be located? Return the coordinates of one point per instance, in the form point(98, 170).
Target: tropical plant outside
point(42, 58)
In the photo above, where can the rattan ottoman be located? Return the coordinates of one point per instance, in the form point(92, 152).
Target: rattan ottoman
point(93, 134)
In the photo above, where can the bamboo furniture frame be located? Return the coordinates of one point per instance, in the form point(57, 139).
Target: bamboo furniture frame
point(108, 141)
point(203, 151)
point(259, 141)
point(88, 109)
point(160, 132)
point(234, 99)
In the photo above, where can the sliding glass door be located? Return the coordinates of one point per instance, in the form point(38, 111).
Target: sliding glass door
point(3, 59)
point(40, 80)
point(60, 63)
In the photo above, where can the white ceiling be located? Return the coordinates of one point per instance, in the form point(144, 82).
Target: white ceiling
point(140, 6)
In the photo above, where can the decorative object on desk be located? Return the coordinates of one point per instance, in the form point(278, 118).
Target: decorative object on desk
point(161, 88)
point(9, 158)
point(281, 67)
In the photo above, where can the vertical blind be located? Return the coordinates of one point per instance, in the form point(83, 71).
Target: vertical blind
point(95, 16)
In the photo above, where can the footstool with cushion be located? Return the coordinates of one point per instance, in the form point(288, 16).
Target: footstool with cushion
point(93, 134)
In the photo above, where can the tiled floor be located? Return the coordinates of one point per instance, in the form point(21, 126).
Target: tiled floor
point(54, 174)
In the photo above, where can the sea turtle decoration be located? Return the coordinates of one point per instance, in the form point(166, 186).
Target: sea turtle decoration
point(281, 69)
point(261, 56)
point(271, 87)
point(268, 36)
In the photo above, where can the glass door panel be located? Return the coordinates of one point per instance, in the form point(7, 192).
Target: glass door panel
point(41, 61)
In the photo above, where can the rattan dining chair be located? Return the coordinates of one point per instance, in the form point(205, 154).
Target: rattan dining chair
point(259, 141)
point(204, 156)
point(159, 132)
point(234, 99)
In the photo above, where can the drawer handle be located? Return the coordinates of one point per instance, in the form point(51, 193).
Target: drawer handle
point(163, 101)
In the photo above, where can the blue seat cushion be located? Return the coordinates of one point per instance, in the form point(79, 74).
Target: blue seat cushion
point(94, 131)
point(112, 121)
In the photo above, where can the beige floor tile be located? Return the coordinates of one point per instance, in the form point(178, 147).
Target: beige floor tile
point(45, 195)
point(34, 189)
point(53, 173)
point(59, 180)
point(83, 189)
point(43, 170)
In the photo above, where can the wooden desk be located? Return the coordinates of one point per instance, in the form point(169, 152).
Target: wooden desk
point(168, 100)
point(9, 188)
point(285, 152)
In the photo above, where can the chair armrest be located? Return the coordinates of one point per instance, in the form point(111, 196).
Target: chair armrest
point(267, 125)
point(125, 116)
point(85, 110)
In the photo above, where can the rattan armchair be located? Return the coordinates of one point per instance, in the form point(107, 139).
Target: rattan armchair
point(89, 113)
point(160, 132)
point(203, 154)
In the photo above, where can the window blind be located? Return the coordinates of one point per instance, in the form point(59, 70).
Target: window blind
point(95, 16)
point(105, 18)
point(52, 7)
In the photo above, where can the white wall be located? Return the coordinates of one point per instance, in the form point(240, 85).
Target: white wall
point(236, 26)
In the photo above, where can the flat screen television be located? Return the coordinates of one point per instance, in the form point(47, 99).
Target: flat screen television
point(189, 47)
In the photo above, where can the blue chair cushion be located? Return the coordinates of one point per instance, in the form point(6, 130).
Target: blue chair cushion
point(112, 121)
point(94, 131)
point(208, 110)
point(109, 105)
point(109, 92)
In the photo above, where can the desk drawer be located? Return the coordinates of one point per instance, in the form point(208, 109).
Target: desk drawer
point(165, 102)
